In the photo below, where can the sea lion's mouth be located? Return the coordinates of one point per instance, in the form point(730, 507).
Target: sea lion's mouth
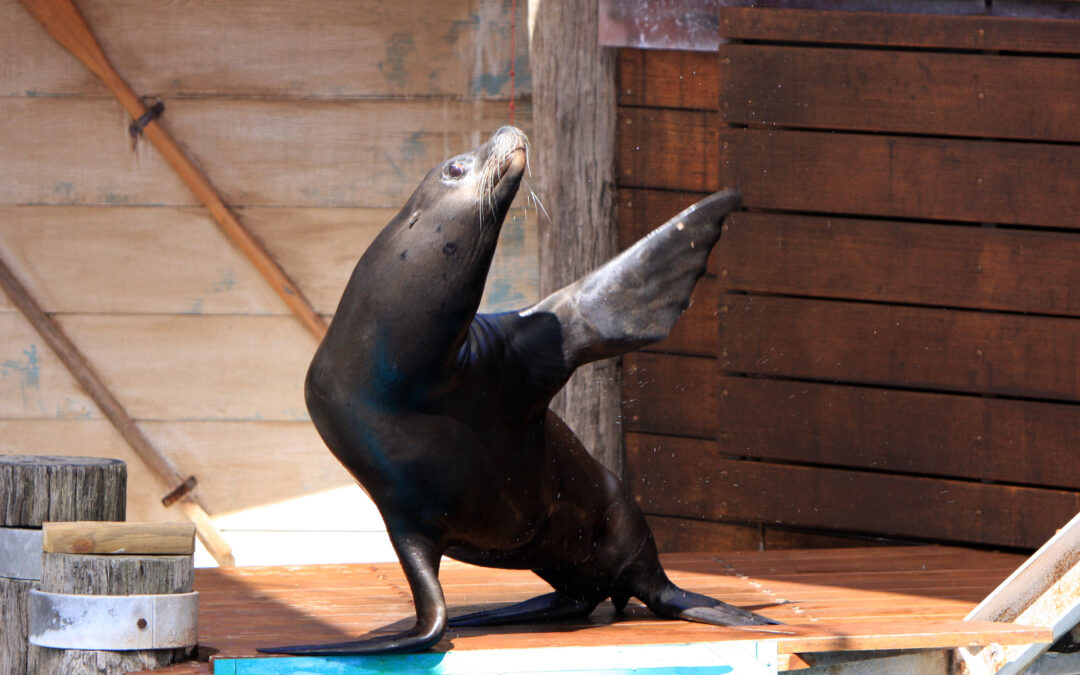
point(515, 161)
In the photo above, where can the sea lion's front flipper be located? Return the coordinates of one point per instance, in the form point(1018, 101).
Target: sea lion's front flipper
point(420, 561)
point(635, 299)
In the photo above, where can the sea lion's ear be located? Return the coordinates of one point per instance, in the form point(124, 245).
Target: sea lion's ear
point(635, 298)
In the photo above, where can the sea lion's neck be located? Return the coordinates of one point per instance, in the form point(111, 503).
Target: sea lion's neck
point(407, 308)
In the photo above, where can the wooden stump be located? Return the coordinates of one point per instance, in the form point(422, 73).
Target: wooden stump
point(77, 574)
point(38, 489)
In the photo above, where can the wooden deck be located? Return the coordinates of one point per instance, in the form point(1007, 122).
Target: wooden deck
point(829, 599)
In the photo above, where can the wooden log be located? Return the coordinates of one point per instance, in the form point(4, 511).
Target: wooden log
point(110, 575)
point(34, 489)
point(113, 538)
point(574, 110)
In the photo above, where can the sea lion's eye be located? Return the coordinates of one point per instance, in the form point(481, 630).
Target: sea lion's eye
point(455, 170)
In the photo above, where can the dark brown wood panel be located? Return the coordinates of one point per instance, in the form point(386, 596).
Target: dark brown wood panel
point(903, 177)
point(901, 30)
point(981, 352)
point(915, 263)
point(691, 478)
point(668, 394)
point(974, 95)
point(900, 431)
point(667, 149)
point(667, 79)
point(639, 212)
point(677, 535)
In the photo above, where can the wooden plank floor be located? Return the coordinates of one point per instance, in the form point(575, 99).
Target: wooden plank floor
point(829, 599)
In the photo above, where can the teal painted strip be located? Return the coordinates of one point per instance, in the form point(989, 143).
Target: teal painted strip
point(685, 659)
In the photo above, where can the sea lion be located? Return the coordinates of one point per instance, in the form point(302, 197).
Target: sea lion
point(442, 414)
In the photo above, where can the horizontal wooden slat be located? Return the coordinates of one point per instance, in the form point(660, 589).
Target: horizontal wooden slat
point(667, 79)
point(901, 30)
point(916, 263)
point(674, 535)
point(125, 259)
point(959, 436)
point(1004, 354)
point(335, 49)
point(34, 384)
point(257, 152)
point(901, 92)
point(123, 538)
point(669, 394)
point(690, 478)
point(668, 149)
point(902, 177)
point(198, 367)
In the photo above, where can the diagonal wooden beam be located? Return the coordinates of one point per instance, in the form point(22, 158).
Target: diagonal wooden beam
point(63, 21)
point(1044, 591)
point(77, 364)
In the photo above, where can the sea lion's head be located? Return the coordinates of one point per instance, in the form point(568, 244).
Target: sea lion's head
point(446, 233)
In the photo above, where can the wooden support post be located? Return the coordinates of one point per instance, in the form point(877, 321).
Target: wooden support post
point(73, 624)
point(34, 489)
point(574, 118)
point(1044, 591)
point(168, 475)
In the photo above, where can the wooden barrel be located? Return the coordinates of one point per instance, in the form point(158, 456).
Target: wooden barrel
point(34, 490)
point(114, 598)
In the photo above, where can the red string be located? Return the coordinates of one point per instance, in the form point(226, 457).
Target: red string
point(513, 54)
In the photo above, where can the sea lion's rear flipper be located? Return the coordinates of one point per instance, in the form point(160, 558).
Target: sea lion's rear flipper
point(634, 299)
point(420, 561)
point(541, 608)
point(673, 602)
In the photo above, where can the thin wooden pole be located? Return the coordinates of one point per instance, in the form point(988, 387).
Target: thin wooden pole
point(62, 20)
point(80, 368)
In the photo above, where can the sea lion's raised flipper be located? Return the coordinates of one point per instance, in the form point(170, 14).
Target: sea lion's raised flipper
point(420, 561)
point(635, 299)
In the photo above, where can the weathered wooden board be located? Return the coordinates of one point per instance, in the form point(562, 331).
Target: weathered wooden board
point(131, 260)
point(903, 177)
point(982, 33)
point(667, 79)
point(691, 478)
point(1004, 354)
point(33, 381)
point(243, 465)
point(199, 367)
point(669, 394)
point(257, 152)
point(119, 538)
point(916, 263)
point(281, 49)
point(951, 94)
point(899, 431)
point(668, 149)
point(174, 260)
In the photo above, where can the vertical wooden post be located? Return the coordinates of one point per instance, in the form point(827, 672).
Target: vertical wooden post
point(38, 489)
point(574, 118)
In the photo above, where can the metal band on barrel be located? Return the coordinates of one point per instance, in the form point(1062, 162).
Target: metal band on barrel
point(114, 622)
point(20, 553)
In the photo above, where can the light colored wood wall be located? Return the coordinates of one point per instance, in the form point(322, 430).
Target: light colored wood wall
point(315, 120)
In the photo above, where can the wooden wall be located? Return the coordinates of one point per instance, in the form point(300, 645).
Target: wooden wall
point(316, 120)
point(887, 344)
